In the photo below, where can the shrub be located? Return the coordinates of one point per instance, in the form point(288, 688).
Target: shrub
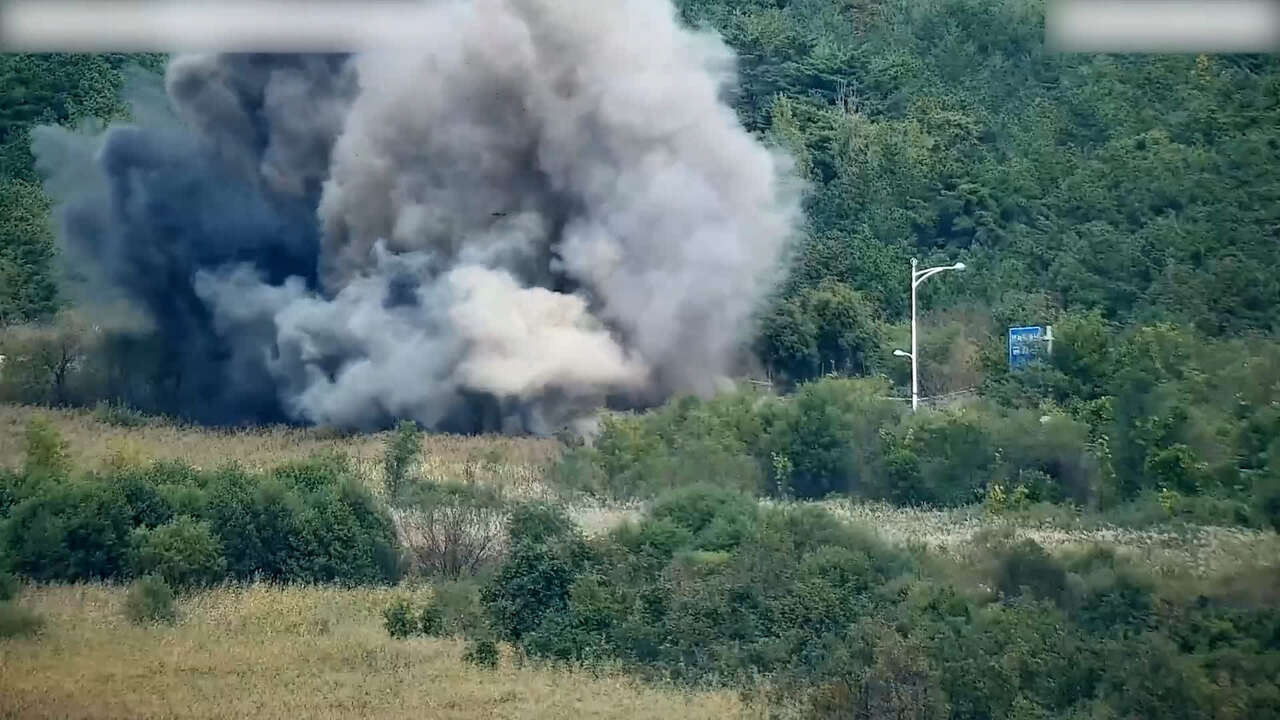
point(540, 523)
point(9, 586)
point(402, 451)
point(1048, 454)
point(70, 531)
point(547, 554)
point(257, 523)
point(453, 529)
point(577, 470)
point(431, 621)
point(481, 652)
point(399, 620)
point(147, 505)
point(17, 621)
point(1267, 499)
point(118, 414)
point(13, 488)
point(1108, 595)
point(150, 600)
point(1025, 566)
point(330, 534)
point(458, 603)
point(892, 678)
point(942, 458)
point(185, 553)
point(686, 441)
point(317, 473)
point(827, 436)
point(715, 518)
point(345, 536)
point(46, 451)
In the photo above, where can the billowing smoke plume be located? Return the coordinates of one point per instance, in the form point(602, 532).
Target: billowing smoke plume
point(546, 206)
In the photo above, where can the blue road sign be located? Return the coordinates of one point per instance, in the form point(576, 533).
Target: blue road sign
point(1024, 345)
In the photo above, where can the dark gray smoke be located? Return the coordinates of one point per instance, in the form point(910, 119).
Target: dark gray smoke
point(546, 206)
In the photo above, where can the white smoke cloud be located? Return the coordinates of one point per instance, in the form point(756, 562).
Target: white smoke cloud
point(543, 204)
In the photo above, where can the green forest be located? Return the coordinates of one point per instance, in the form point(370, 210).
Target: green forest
point(1130, 201)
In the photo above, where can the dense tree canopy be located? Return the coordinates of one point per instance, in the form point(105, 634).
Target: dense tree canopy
point(1138, 188)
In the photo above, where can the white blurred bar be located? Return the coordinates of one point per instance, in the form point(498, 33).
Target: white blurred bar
point(1163, 26)
point(209, 25)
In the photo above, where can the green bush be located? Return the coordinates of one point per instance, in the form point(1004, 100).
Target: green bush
point(540, 524)
point(481, 652)
point(336, 533)
point(150, 600)
point(13, 489)
point(431, 621)
point(1107, 594)
point(257, 523)
point(459, 604)
point(18, 621)
point(684, 442)
point(324, 472)
point(46, 452)
point(942, 458)
point(9, 586)
point(309, 521)
point(119, 414)
point(70, 532)
point(184, 552)
point(402, 452)
point(1026, 567)
point(547, 554)
point(657, 592)
point(1266, 499)
point(828, 437)
point(714, 517)
point(148, 506)
point(345, 536)
point(399, 619)
point(1047, 453)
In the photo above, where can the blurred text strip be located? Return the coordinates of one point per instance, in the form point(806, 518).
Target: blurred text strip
point(1163, 26)
point(209, 25)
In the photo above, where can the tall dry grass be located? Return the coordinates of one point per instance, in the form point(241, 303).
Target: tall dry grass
point(299, 652)
point(513, 462)
point(1170, 551)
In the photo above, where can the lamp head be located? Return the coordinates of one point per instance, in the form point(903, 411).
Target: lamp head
point(958, 266)
point(901, 353)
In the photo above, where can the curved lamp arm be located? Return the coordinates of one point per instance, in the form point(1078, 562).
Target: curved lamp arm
point(921, 275)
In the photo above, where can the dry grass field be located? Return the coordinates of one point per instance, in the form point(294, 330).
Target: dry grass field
point(515, 462)
point(299, 652)
point(1193, 551)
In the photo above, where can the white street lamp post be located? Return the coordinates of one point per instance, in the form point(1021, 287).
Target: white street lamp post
point(917, 277)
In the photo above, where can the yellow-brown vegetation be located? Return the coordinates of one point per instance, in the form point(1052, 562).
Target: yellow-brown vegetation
point(296, 652)
point(515, 462)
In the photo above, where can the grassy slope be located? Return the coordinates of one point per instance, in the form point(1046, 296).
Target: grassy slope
point(288, 653)
point(515, 462)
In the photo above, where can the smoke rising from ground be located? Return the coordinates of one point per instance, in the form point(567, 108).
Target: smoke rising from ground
point(546, 206)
